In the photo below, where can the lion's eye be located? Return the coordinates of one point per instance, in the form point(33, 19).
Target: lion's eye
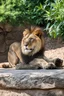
point(31, 39)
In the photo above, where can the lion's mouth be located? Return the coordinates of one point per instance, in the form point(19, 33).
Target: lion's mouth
point(28, 50)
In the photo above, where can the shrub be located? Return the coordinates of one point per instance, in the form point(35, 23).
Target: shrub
point(21, 11)
point(55, 18)
point(39, 12)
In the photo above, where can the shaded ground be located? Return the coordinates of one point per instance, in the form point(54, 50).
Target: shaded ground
point(53, 43)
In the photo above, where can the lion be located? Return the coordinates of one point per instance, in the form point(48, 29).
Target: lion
point(31, 47)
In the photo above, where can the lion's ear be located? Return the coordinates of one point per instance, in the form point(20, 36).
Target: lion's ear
point(32, 28)
point(26, 32)
point(38, 32)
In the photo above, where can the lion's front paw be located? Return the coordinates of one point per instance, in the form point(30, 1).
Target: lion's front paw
point(17, 66)
point(20, 65)
point(50, 65)
point(58, 62)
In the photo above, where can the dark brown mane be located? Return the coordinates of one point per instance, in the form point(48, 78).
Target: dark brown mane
point(27, 58)
point(38, 32)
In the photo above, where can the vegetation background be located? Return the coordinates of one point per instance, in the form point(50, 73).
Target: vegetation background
point(46, 13)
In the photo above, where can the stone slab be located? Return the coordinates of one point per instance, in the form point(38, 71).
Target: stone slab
point(32, 79)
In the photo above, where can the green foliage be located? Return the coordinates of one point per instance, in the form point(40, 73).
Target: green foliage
point(21, 11)
point(55, 18)
point(45, 12)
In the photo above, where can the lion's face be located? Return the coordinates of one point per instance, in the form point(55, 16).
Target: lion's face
point(31, 43)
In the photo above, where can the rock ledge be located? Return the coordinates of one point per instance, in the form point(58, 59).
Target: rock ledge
point(32, 81)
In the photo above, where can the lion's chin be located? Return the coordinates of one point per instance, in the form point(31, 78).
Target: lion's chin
point(27, 52)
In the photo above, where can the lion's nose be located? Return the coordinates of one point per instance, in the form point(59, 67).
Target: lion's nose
point(26, 45)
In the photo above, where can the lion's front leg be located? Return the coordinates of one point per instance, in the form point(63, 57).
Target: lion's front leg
point(12, 58)
point(42, 64)
point(36, 64)
point(57, 62)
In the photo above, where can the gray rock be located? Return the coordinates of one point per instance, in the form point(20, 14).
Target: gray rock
point(8, 27)
point(31, 79)
point(2, 43)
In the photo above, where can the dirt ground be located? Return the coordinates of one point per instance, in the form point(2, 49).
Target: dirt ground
point(54, 48)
